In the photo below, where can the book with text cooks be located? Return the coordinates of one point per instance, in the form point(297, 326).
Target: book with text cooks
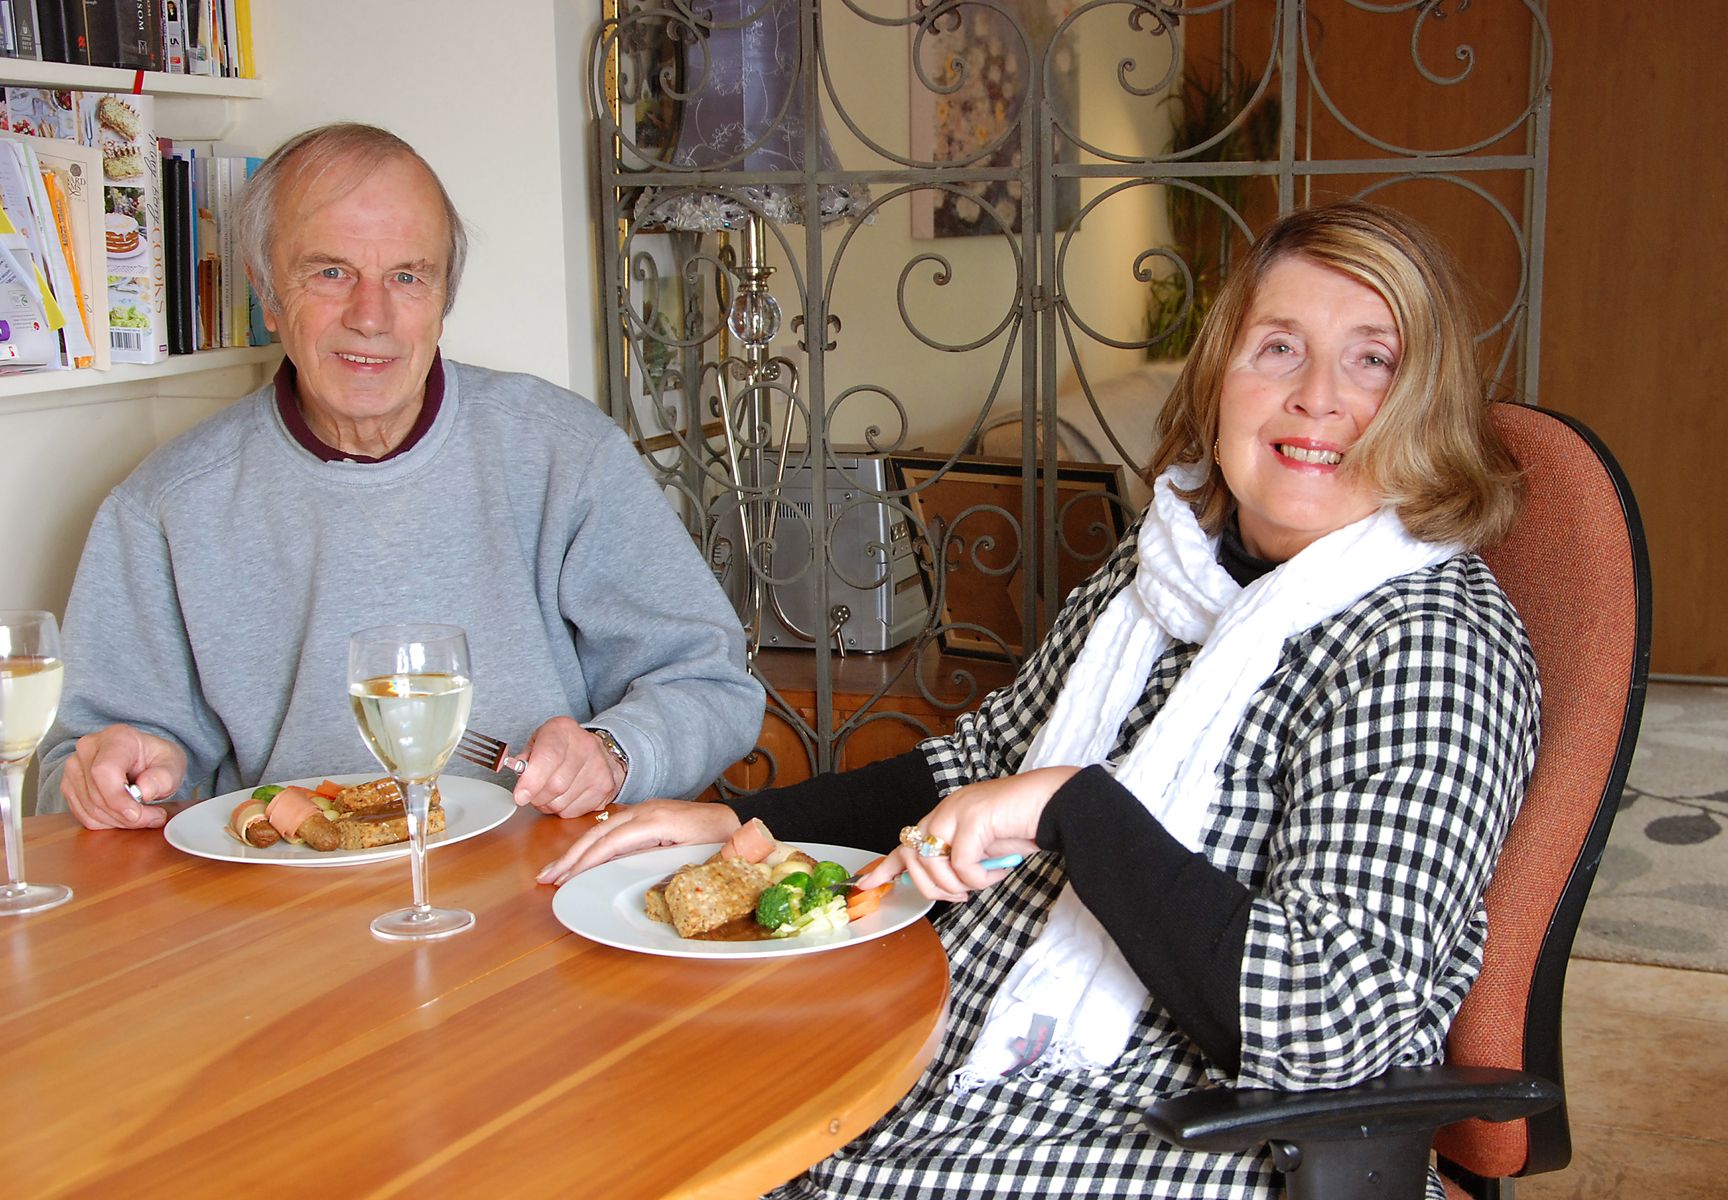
point(123, 127)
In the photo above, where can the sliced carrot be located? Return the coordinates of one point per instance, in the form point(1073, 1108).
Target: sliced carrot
point(862, 904)
point(329, 789)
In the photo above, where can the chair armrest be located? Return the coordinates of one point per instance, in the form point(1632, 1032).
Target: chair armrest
point(1400, 1099)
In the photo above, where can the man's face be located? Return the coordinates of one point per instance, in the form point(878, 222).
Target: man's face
point(361, 281)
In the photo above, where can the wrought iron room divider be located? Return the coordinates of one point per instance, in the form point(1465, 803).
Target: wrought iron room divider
point(819, 218)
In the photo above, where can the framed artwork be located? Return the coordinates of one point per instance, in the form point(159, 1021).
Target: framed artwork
point(988, 65)
point(972, 552)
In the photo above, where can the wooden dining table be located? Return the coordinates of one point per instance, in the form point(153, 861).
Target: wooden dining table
point(195, 1028)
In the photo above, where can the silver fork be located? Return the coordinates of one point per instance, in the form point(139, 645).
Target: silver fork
point(488, 752)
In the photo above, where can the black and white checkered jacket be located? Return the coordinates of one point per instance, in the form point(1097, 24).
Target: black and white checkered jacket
point(1367, 793)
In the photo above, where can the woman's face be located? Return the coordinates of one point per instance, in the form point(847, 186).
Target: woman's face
point(1310, 368)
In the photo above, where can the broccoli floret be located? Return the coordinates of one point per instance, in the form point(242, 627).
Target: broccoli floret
point(778, 905)
point(829, 875)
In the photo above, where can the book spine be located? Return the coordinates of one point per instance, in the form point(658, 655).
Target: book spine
point(173, 37)
point(259, 333)
point(51, 30)
point(233, 278)
point(77, 32)
point(137, 44)
point(102, 29)
point(8, 31)
point(177, 202)
point(24, 24)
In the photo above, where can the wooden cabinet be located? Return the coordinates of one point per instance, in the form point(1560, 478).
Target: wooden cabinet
point(882, 705)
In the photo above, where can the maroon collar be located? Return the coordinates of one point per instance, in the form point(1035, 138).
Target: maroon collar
point(288, 404)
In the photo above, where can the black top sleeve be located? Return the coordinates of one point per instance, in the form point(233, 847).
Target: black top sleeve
point(865, 807)
point(1180, 922)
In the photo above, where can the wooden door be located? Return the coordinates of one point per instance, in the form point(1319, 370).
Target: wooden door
point(1635, 333)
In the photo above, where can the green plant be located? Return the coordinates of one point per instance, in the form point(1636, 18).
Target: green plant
point(1210, 99)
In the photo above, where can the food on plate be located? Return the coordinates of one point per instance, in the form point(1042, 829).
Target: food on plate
point(755, 887)
point(861, 902)
point(252, 826)
point(329, 817)
point(297, 816)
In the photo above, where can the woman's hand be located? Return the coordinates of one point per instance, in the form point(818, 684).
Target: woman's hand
point(979, 821)
point(634, 827)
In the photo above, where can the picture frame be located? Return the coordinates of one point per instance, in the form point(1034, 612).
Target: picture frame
point(978, 53)
point(966, 516)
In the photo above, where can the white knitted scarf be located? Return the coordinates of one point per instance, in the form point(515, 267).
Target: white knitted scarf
point(1072, 980)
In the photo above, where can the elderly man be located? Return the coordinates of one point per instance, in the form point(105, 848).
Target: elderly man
point(375, 482)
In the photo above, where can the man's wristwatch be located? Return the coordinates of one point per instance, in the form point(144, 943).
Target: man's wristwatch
point(612, 747)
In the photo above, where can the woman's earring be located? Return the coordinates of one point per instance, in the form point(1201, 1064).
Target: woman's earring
point(1216, 460)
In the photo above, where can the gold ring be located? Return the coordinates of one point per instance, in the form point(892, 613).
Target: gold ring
point(927, 845)
point(604, 814)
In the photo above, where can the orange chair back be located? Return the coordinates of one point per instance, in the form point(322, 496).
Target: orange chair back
point(1575, 567)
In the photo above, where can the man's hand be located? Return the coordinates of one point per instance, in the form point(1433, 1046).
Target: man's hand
point(569, 772)
point(94, 778)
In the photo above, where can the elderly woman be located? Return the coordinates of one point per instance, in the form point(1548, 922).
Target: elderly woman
point(1261, 767)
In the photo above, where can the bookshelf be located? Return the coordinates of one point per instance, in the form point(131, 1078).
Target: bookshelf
point(25, 72)
point(189, 107)
point(50, 387)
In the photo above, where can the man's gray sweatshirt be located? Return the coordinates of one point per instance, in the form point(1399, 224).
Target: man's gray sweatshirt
point(221, 580)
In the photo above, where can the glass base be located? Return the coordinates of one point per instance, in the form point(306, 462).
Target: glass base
point(421, 924)
point(31, 897)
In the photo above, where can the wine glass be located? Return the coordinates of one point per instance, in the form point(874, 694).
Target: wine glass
point(410, 691)
point(30, 674)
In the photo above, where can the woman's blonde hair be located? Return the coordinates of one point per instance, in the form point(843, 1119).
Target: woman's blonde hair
point(1431, 452)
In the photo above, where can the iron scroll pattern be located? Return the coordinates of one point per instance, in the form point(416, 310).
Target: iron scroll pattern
point(765, 452)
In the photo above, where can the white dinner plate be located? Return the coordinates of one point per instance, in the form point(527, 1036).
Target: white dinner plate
point(605, 905)
point(471, 807)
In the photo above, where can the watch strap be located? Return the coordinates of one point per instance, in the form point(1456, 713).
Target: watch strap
point(612, 747)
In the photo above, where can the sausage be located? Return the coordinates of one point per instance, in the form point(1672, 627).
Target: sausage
point(249, 824)
point(297, 817)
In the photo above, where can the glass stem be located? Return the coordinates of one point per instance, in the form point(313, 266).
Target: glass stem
point(419, 801)
point(12, 811)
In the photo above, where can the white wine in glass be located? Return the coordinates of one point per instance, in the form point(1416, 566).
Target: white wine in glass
point(30, 675)
point(409, 688)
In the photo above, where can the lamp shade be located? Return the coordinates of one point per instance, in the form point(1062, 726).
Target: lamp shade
point(743, 110)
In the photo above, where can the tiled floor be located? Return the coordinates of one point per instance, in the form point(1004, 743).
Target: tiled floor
point(1647, 1079)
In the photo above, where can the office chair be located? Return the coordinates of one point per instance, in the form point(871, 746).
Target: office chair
point(1576, 568)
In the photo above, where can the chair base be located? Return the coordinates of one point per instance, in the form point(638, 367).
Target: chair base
point(1384, 1166)
point(1368, 1142)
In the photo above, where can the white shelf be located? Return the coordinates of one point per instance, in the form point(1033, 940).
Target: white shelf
point(24, 72)
point(19, 393)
